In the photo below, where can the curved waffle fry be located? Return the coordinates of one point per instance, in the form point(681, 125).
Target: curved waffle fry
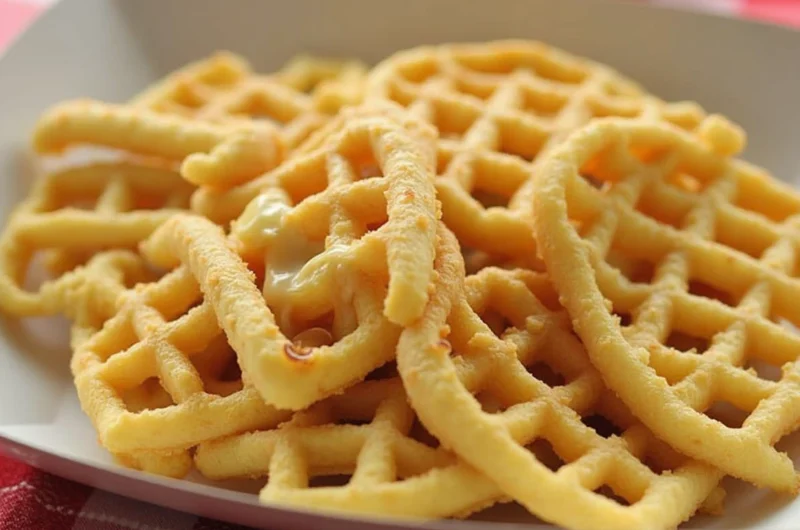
point(390, 469)
point(108, 276)
point(287, 374)
point(79, 211)
point(499, 107)
point(498, 377)
point(365, 203)
point(223, 88)
point(715, 240)
point(160, 343)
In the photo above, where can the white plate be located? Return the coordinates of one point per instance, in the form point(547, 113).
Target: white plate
point(112, 49)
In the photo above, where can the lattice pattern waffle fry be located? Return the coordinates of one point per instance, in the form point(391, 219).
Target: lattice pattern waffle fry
point(153, 368)
point(367, 436)
point(109, 275)
point(118, 360)
point(497, 375)
point(338, 260)
point(223, 88)
point(149, 361)
point(355, 196)
point(73, 213)
point(499, 107)
point(692, 320)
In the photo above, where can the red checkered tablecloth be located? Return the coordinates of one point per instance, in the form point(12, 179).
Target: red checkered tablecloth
point(33, 500)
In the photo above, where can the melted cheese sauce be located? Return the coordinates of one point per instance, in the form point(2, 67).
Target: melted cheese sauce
point(300, 281)
point(261, 220)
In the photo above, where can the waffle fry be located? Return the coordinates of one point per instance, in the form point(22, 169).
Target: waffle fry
point(308, 280)
point(497, 376)
point(391, 471)
point(370, 179)
point(223, 88)
point(717, 238)
point(109, 275)
point(150, 369)
point(499, 107)
point(79, 211)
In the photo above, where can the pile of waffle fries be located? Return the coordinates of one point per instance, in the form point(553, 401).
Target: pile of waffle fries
point(473, 274)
